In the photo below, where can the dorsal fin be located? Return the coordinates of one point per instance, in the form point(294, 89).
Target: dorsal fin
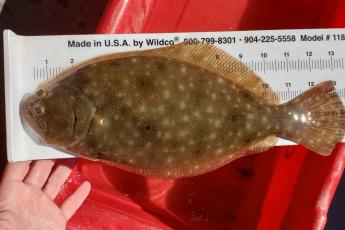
point(218, 61)
point(204, 55)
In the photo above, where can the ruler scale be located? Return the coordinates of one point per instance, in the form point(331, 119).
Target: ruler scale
point(264, 66)
point(283, 95)
point(290, 61)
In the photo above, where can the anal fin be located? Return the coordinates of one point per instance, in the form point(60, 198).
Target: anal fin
point(201, 167)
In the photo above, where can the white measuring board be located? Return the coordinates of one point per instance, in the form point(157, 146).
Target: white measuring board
point(290, 61)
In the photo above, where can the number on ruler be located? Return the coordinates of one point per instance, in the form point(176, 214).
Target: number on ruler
point(309, 53)
point(263, 55)
point(331, 53)
point(46, 61)
point(240, 55)
point(71, 60)
point(311, 83)
point(288, 84)
point(286, 54)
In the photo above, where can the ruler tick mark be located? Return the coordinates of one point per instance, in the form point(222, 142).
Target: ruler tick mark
point(46, 72)
point(286, 66)
point(319, 64)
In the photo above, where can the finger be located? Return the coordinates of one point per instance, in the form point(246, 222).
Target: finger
point(16, 171)
point(56, 180)
point(39, 172)
point(71, 205)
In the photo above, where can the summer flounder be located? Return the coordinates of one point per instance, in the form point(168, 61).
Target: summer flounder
point(176, 111)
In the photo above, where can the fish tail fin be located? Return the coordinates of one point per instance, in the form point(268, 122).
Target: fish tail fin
point(318, 117)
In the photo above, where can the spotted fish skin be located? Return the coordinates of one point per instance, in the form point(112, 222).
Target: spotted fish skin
point(159, 112)
point(166, 113)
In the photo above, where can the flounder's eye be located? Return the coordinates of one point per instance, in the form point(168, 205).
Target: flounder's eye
point(39, 93)
point(38, 110)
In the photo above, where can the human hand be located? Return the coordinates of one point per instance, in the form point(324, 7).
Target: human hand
point(27, 193)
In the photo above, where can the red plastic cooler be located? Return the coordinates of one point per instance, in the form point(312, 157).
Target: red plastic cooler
point(285, 188)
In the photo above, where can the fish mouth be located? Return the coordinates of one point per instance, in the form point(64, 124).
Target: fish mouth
point(28, 121)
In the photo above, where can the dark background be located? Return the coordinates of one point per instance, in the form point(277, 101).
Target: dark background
point(43, 17)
